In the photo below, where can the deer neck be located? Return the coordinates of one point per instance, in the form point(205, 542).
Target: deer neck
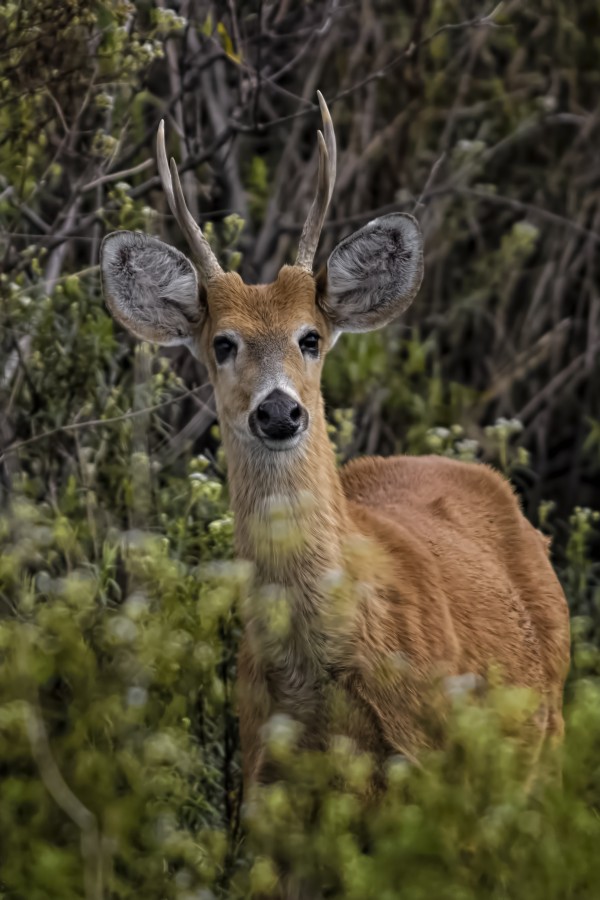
point(311, 565)
point(292, 523)
point(290, 510)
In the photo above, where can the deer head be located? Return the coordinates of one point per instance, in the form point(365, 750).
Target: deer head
point(263, 345)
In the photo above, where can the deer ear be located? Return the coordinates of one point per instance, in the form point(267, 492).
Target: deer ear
point(150, 288)
point(374, 274)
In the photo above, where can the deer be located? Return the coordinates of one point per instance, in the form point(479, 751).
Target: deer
point(394, 573)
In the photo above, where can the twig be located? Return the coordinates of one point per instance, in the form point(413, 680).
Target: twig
point(192, 162)
point(433, 194)
point(59, 111)
point(521, 206)
point(430, 179)
point(9, 193)
point(486, 21)
point(115, 176)
point(57, 257)
point(409, 52)
point(93, 423)
point(91, 843)
point(574, 369)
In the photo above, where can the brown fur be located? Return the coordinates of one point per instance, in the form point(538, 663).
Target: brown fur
point(454, 580)
point(440, 573)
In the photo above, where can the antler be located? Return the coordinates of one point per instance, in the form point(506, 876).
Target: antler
point(326, 180)
point(206, 260)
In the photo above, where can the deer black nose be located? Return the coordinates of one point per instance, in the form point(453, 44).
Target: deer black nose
point(278, 417)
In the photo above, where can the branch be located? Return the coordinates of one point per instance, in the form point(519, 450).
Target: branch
point(191, 162)
point(521, 206)
point(430, 179)
point(93, 423)
point(61, 793)
point(434, 193)
point(116, 176)
point(486, 21)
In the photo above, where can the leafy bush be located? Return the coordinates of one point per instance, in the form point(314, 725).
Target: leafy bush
point(119, 749)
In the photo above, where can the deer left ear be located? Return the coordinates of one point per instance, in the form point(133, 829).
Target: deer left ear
point(374, 274)
point(150, 288)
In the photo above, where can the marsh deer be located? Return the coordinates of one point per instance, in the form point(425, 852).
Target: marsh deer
point(393, 572)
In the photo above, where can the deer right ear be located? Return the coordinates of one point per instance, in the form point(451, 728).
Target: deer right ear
point(374, 274)
point(150, 288)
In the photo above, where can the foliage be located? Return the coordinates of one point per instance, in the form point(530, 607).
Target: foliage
point(127, 658)
point(459, 826)
point(119, 595)
point(104, 644)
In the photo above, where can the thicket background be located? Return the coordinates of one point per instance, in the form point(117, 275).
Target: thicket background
point(119, 772)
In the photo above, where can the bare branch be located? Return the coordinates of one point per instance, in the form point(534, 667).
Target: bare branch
point(117, 176)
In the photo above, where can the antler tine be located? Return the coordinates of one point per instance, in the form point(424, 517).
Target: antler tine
point(325, 184)
point(163, 166)
point(329, 142)
point(201, 250)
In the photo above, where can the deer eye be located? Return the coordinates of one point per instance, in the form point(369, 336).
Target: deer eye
point(309, 343)
point(224, 349)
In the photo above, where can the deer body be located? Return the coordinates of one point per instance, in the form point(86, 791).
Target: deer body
point(393, 574)
point(445, 577)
